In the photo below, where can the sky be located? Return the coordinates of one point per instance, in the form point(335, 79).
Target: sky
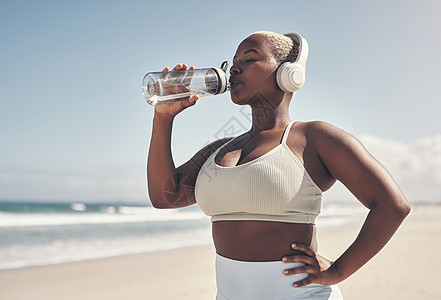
point(75, 127)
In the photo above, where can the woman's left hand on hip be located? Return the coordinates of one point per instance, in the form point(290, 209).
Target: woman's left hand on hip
point(319, 268)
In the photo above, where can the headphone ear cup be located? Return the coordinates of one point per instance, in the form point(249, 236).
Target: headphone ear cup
point(290, 77)
point(297, 76)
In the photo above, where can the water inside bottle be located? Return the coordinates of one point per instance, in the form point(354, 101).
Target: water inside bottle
point(158, 100)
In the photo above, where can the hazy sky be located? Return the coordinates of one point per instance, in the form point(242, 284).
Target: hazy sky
point(74, 124)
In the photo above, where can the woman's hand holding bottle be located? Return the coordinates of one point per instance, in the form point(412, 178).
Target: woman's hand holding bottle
point(174, 108)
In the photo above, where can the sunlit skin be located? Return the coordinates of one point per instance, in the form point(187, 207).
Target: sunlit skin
point(327, 152)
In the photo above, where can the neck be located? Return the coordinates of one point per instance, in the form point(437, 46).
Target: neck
point(269, 114)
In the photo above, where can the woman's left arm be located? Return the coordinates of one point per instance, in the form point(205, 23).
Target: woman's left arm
point(348, 161)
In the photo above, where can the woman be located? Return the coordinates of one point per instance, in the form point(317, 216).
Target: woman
point(263, 188)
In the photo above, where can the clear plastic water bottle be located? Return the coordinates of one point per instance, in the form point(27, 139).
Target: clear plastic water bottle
point(171, 86)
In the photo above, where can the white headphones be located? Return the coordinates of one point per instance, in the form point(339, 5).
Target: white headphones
point(290, 76)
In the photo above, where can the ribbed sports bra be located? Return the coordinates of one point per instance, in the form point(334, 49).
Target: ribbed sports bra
point(273, 187)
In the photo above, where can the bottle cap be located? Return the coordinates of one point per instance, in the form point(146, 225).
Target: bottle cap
point(222, 77)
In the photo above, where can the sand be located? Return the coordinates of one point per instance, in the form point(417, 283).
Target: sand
point(405, 269)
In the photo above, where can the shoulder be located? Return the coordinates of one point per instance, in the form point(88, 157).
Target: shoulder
point(323, 135)
point(193, 165)
point(213, 146)
point(313, 128)
point(338, 149)
point(331, 143)
point(202, 155)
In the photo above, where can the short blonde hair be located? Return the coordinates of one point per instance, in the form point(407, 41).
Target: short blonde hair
point(282, 47)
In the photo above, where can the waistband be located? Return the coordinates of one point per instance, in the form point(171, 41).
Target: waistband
point(243, 280)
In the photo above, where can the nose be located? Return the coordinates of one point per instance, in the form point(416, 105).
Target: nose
point(234, 69)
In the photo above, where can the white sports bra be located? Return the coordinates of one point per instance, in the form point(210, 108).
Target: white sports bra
point(273, 187)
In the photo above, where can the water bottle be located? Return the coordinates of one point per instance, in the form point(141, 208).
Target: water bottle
point(165, 87)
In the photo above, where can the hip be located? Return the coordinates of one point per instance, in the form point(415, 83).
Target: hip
point(242, 280)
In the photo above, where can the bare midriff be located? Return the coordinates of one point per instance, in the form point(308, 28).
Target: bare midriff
point(260, 240)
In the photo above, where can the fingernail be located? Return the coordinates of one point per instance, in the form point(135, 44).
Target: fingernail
point(284, 259)
point(293, 245)
point(295, 285)
point(285, 272)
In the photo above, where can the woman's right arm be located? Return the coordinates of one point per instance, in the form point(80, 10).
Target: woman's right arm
point(168, 186)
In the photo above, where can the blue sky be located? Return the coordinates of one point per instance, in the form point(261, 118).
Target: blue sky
point(74, 124)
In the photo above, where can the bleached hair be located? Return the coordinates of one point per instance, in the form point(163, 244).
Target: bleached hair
point(283, 48)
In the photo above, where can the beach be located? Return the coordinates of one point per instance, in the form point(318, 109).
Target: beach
point(405, 269)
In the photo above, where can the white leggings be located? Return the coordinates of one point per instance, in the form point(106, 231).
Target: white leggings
point(243, 280)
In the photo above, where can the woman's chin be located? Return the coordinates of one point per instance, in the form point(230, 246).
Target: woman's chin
point(239, 99)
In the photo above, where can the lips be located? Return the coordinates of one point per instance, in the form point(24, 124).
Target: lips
point(234, 82)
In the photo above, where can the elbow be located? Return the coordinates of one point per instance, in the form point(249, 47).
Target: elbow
point(405, 209)
point(159, 205)
point(397, 210)
point(155, 200)
point(402, 208)
point(158, 202)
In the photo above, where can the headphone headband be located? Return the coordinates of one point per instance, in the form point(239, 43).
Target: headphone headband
point(303, 48)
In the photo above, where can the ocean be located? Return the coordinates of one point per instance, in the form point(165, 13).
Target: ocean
point(36, 234)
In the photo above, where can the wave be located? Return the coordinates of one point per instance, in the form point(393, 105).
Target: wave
point(126, 215)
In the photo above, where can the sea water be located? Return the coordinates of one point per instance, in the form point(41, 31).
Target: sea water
point(35, 234)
